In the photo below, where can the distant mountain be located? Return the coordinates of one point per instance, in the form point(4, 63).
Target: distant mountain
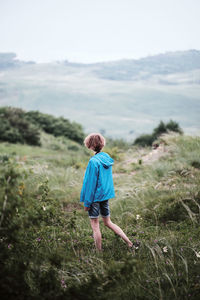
point(9, 60)
point(121, 98)
point(144, 68)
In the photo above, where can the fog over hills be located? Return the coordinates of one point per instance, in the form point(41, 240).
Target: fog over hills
point(122, 98)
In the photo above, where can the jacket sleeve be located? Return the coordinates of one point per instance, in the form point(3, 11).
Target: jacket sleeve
point(89, 184)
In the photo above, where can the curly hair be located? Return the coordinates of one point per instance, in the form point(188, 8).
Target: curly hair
point(95, 141)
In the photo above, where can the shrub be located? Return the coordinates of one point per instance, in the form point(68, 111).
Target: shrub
point(113, 152)
point(56, 126)
point(196, 164)
point(174, 126)
point(31, 237)
point(18, 126)
point(144, 140)
point(164, 128)
point(14, 127)
point(148, 139)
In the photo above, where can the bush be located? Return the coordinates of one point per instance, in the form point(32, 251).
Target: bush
point(18, 126)
point(14, 127)
point(56, 126)
point(196, 164)
point(31, 237)
point(174, 126)
point(148, 139)
point(144, 140)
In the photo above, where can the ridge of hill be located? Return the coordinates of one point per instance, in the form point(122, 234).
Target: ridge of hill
point(122, 98)
point(144, 68)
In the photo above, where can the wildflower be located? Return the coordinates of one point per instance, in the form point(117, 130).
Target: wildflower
point(138, 217)
point(165, 249)
point(43, 207)
point(9, 246)
point(136, 245)
point(38, 239)
point(63, 284)
point(198, 254)
point(21, 188)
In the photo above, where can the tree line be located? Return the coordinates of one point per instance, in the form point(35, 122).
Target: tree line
point(19, 126)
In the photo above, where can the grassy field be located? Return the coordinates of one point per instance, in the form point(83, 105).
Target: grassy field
point(46, 240)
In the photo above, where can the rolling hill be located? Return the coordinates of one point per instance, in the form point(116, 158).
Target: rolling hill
point(121, 98)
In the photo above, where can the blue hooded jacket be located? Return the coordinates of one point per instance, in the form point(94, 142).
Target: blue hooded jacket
point(98, 181)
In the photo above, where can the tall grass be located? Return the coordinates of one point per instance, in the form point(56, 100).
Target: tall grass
point(51, 248)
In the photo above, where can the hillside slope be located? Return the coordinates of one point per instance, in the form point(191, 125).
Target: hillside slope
point(124, 98)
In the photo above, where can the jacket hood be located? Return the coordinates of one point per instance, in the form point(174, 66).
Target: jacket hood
point(104, 159)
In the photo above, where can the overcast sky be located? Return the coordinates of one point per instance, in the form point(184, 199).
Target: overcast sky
point(97, 30)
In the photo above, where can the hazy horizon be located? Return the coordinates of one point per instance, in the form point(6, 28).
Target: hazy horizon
point(100, 61)
point(93, 31)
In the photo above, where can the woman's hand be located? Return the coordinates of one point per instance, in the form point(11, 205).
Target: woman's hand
point(86, 208)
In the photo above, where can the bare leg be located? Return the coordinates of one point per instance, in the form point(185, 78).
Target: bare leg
point(96, 232)
point(117, 230)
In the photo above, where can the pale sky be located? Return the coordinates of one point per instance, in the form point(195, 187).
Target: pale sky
point(97, 30)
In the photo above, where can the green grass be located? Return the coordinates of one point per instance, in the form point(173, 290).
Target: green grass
point(157, 203)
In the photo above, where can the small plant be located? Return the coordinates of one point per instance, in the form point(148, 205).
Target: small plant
point(73, 147)
point(195, 164)
point(140, 161)
point(113, 152)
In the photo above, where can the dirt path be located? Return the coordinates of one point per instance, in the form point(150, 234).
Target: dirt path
point(152, 156)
